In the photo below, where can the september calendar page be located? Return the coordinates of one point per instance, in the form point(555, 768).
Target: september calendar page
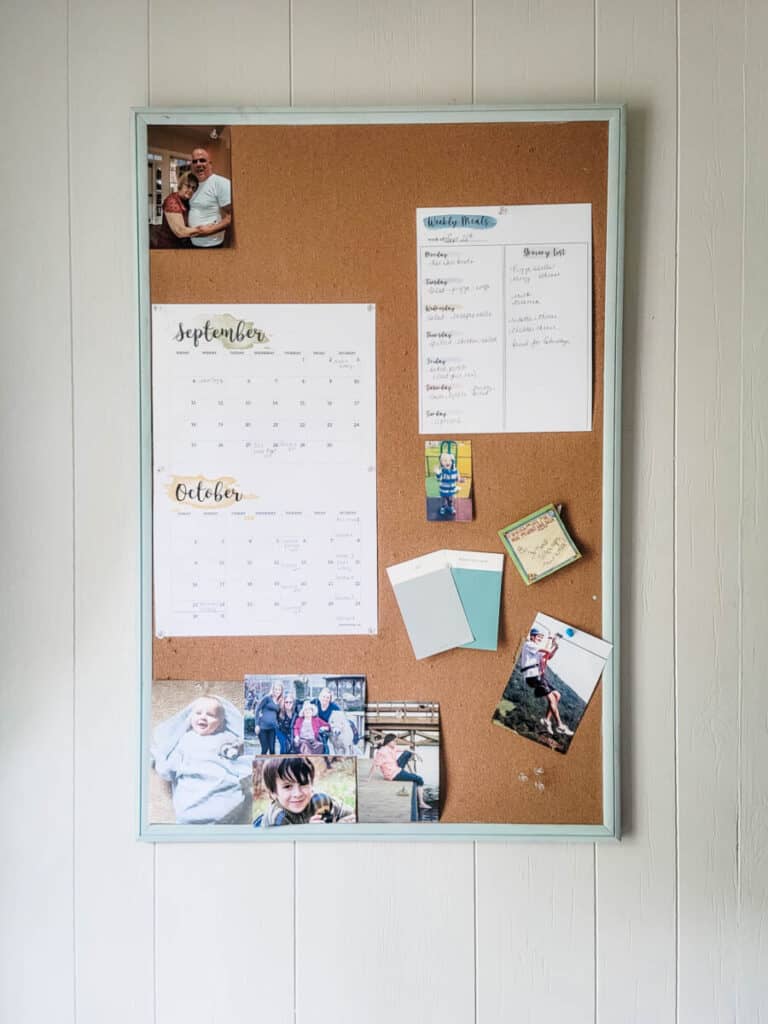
point(264, 471)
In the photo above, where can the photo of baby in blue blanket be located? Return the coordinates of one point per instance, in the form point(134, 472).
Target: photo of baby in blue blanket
point(199, 752)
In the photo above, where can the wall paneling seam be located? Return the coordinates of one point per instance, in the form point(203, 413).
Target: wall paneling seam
point(473, 65)
point(73, 505)
point(290, 60)
point(594, 51)
point(155, 980)
point(149, 51)
point(295, 931)
point(742, 427)
point(675, 387)
point(476, 928)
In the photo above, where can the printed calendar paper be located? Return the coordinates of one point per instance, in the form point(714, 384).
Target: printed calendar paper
point(264, 469)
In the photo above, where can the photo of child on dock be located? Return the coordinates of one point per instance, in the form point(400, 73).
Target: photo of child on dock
point(398, 778)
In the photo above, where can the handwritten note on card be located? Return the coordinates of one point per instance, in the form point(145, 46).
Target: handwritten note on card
point(505, 318)
point(539, 544)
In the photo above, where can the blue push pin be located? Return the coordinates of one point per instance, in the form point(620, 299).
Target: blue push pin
point(570, 632)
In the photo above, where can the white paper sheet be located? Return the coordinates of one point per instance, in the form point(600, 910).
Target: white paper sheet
point(505, 318)
point(264, 443)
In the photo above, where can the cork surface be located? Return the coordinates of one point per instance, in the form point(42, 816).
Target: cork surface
point(327, 214)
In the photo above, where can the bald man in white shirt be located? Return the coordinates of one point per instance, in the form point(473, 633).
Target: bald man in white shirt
point(211, 202)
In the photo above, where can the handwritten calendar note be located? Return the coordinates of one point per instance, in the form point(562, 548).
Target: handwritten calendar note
point(264, 445)
point(505, 318)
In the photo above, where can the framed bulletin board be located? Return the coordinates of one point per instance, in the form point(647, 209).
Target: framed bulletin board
point(324, 222)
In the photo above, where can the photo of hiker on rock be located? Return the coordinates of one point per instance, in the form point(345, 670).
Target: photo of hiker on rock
point(552, 682)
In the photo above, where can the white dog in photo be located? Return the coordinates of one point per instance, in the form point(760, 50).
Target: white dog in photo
point(341, 739)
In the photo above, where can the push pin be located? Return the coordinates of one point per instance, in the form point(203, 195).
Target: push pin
point(523, 777)
point(570, 632)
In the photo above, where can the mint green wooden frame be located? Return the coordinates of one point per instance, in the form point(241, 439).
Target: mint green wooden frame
point(615, 117)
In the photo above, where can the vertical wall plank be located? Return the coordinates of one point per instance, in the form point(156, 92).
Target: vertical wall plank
point(394, 925)
point(534, 51)
point(637, 63)
point(707, 512)
point(36, 734)
point(398, 918)
point(533, 901)
point(232, 54)
point(225, 934)
point(114, 931)
point(404, 51)
point(224, 913)
point(535, 934)
point(753, 773)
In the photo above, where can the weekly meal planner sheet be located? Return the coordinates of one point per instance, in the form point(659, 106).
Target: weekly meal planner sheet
point(505, 318)
point(264, 469)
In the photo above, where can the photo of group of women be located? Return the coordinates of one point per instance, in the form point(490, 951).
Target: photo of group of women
point(282, 750)
point(315, 714)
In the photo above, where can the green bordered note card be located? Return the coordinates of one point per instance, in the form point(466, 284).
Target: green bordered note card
point(539, 544)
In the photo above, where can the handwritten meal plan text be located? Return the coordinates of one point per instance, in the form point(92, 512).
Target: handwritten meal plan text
point(505, 318)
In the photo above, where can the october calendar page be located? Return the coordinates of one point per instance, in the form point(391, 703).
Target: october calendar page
point(264, 469)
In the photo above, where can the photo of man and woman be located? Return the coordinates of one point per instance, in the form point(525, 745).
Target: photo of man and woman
point(310, 715)
point(398, 778)
point(189, 188)
point(555, 674)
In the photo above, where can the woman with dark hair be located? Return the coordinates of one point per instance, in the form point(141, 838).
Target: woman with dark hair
point(392, 762)
point(175, 232)
point(286, 718)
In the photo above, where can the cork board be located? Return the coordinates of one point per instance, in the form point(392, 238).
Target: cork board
point(353, 189)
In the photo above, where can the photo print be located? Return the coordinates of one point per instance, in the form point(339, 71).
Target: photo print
point(200, 772)
point(310, 715)
point(296, 790)
point(398, 778)
point(555, 675)
point(448, 481)
point(189, 187)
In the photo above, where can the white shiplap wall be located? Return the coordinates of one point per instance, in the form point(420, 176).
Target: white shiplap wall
point(666, 926)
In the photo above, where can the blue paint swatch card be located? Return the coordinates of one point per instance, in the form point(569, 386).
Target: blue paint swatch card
point(478, 576)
